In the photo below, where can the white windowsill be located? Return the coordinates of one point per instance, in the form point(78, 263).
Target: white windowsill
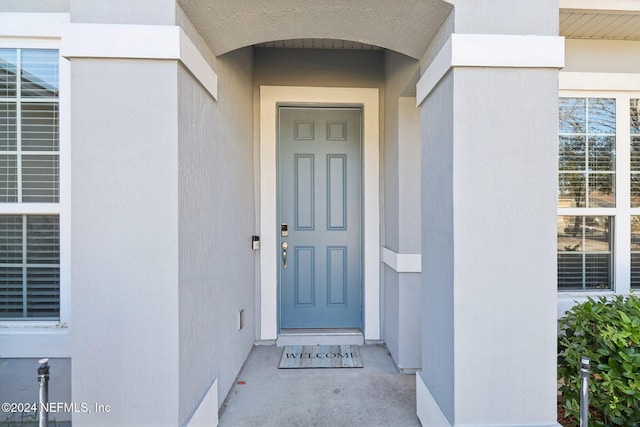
point(34, 339)
point(23, 326)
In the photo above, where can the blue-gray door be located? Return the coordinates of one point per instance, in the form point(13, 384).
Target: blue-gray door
point(319, 217)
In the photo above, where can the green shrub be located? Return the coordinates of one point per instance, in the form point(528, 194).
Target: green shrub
point(608, 332)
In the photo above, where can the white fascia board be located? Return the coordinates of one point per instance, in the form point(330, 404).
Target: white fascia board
point(599, 81)
point(491, 50)
point(440, 66)
point(193, 60)
point(33, 25)
point(600, 5)
point(121, 41)
point(138, 42)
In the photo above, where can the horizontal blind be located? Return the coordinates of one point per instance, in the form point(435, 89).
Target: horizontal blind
point(585, 252)
point(29, 266)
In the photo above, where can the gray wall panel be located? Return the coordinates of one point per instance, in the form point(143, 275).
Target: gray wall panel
point(216, 221)
point(437, 245)
point(124, 265)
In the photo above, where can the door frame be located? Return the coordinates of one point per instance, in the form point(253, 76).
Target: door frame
point(368, 99)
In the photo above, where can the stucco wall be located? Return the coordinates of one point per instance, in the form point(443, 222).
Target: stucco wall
point(602, 56)
point(401, 208)
point(437, 249)
point(139, 12)
point(125, 240)
point(505, 158)
point(409, 184)
point(55, 6)
point(506, 17)
point(217, 216)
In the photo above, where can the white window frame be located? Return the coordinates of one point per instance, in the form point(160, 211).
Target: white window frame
point(26, 337)
point(621, 214)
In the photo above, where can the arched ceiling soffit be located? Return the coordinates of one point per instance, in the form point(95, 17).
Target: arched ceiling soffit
point(405, 26)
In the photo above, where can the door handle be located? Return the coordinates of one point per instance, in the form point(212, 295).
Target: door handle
point(284, 246)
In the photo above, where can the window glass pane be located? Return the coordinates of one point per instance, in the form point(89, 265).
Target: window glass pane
point(43, 292)
point(29, 274)
point(601, 193)
point(10, 239)
point(597, 271)
point(587, 144)
point(11, 291)
point(635, 190)
point(570, 233)
point(39, 73)
point(635, 251)
point(40, 178)
point(596, 233)
point(8, 178)
point(570, 274)
point(635, 270)
point(635, 153)
point(602, 153)
point(573, 115)
point(40, 126)
point(584, 252)
point(8, 126)
point(572, 190)
point(8, 73)
point(602, 116)
point(43, 242)
point(635, 117)
point(573, 153)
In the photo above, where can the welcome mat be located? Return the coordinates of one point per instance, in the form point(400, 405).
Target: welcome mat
point(320, 356)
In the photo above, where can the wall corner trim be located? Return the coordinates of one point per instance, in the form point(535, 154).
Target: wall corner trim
point(491, 51)
point(427, 408)
point(161, 42)
point(206, 414)
point(402, 263)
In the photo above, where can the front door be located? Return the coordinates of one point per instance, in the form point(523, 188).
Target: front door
point(319, 217)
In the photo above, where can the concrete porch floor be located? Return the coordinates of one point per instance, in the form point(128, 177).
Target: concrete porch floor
point(376, 395)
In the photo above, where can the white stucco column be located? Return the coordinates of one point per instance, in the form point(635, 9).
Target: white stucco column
point(489, 120)
point(125, 218)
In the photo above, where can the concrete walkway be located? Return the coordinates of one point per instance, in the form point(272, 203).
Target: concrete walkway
point(376, 395)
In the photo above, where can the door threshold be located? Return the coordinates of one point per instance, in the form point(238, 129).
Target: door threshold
point(320, 337)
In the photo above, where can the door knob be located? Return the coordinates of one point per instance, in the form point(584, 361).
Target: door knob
point(284, 247)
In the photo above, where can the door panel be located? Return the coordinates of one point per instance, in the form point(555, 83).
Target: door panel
point(320, 198)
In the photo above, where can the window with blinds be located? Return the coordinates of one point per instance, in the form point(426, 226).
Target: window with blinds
point(587, 152)
point(29, 176)
point(29, 266)
point(634, 135)
point(584, 252)
point(586, 188)
point(29, 137)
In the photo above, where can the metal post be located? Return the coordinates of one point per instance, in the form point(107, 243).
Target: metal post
point(584, 392)
point(43, 379)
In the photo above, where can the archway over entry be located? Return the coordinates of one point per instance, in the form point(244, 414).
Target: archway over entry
point(405, 27)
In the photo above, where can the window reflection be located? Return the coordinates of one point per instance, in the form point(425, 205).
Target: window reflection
point(587, 151)
point(584, 252)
